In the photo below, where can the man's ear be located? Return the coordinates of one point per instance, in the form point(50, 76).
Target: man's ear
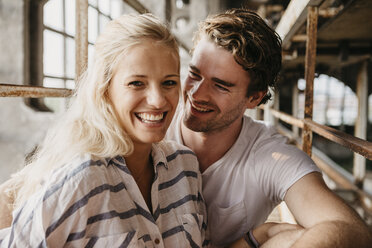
point(255, 98)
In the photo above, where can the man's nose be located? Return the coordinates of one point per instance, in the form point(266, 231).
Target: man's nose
point(199, 91)
point(156, 98)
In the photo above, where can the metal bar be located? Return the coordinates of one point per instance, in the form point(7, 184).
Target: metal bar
point(57, 77)
point(287, 118)
point(343, 181)
point(81, 39)
point(295, 94)
point(359, 167)
point(312, 22)
point(59, 32)
point(355, 144)
point(136, 5)
point(13, 90)
point(293, 19)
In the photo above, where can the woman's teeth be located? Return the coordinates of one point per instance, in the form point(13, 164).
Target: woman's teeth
point(150, 118)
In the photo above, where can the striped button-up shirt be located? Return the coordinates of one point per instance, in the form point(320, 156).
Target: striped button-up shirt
point(94, 202)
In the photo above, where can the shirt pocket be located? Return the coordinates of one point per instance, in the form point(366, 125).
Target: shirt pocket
point(192, 227)
point(128, 239)
point(227, 224)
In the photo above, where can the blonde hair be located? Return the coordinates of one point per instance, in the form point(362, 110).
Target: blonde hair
point(90, 126)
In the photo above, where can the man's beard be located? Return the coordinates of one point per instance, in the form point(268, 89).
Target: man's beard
point(216, 122)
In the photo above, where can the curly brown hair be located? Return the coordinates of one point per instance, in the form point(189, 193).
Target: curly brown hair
point(254, 45)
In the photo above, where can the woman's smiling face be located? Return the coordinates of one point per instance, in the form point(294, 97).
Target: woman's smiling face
point(144, 91)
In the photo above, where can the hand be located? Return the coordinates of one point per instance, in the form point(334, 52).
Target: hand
point(264, 232)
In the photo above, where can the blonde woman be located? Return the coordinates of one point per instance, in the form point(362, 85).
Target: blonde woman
point(103, 176)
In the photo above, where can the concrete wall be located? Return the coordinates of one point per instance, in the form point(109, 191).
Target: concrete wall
point(21, 128)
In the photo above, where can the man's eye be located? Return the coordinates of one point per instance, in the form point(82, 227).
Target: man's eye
point(193, 75)
point(222, 88)
point(136, 84)
point(169, 83)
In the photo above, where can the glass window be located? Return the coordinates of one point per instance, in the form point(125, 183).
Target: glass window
point(53, 15)
point(53, 54)
point(59, 41)
point(70, 17)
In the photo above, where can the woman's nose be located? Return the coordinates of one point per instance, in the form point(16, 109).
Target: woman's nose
point(156, 98)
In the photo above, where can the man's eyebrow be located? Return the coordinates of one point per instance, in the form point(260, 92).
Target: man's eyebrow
point(217, 80)
point(220, 81)
point(194, 68)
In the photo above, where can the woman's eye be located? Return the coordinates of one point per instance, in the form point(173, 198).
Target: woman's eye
point(169, 83)
point(136, 84)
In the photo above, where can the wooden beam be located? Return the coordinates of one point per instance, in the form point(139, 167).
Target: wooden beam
point(13, 90)
point(355, 144)
point(359, 168)
point(287, 118)
point(312, 22)
point(293, 19)
point(81, 39)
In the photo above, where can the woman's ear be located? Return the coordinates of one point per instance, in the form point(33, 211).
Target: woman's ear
point(255, 98)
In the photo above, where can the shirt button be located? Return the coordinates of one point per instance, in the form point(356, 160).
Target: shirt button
point(157, 241)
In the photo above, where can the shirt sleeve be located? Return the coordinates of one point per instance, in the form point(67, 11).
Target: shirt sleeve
point(61, 208)
point(279, 165)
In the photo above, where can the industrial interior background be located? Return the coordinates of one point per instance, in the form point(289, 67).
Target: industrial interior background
point(327, 47)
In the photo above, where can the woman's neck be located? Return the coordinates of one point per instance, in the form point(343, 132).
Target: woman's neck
point(141, 167)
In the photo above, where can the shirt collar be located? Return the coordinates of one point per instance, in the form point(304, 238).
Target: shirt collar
point(158, 156)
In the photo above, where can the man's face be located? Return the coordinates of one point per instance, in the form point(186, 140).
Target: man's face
point(215, 89)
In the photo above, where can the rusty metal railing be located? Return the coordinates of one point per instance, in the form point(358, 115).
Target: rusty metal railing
point(12, 90)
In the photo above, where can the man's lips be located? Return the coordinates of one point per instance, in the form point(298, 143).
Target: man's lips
point(200, 108)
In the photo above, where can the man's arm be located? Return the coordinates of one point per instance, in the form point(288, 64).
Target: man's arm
point(327, 220)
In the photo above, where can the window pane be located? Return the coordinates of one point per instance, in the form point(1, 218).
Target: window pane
point(56, 104)
point(54, 82)
point(70, 84)
point(93, 2)
point(104, 6)
point(350, 107)
point(116, 8)
point(70, 17)
point(70, 58)
point(103, 20)
point(53, 14)
point(53, 54)
point(90, 54)
point(92, 24)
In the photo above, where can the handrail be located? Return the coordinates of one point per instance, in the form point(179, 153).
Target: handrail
point(287, 118)
point(355, 144)
point(13, 90)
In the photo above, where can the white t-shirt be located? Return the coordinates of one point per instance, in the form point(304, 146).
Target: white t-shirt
point(243, 187)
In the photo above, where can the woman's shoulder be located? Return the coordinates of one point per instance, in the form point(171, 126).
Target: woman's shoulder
point(175, 153)
point(76, 172)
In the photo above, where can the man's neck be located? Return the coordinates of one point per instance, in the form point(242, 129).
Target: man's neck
point(210, 147)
